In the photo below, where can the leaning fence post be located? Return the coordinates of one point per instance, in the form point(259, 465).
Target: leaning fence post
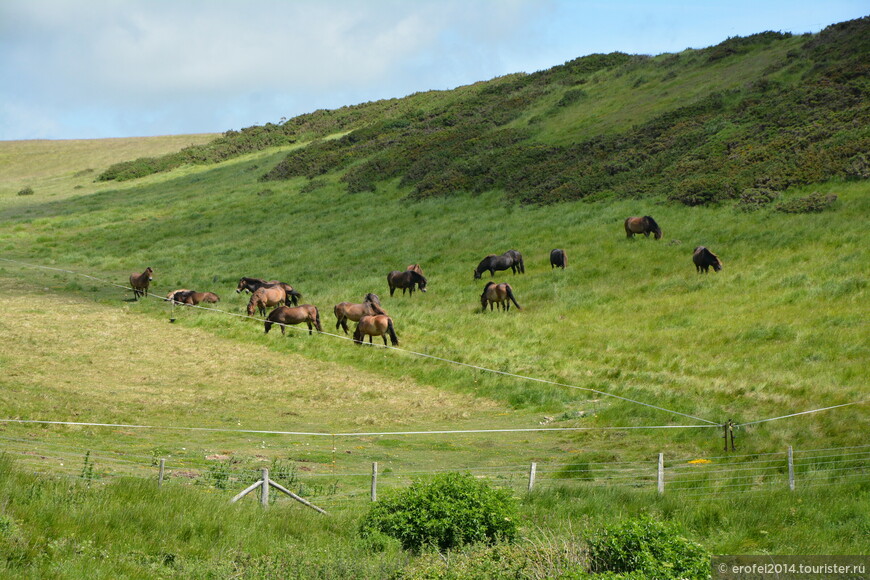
point(375, 481)
point(661, 473)
point(532, 470)
point(790, 468)
point(264, 495)
point(160, 478)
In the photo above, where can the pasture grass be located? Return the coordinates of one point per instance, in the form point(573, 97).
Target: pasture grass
point(781, 330)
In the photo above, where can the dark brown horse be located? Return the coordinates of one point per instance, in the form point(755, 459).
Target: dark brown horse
point(558, 259)
point(192, 298)
point(345, 311)
point(500, 295)
point(407, 280)
point(642, 225)
point(285, 315)
point(511, 259)
point(266, 297)
point(252, 284)
point(378, 325)
point(704, 258)
point(139, 282)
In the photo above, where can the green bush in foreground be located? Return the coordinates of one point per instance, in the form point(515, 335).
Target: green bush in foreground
point(647, 546)
point(450, 511)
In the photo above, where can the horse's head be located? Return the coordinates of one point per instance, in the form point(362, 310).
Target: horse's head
point(150, 273)
point(477, 274)
point(372, 298)
point(421, 281)
point(357, 335)
point(651, 226)
point(241, 286)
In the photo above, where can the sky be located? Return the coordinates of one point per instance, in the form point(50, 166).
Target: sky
point(86, 69)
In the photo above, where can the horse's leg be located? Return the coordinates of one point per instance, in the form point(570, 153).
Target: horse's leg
point(309, 329)
point(384, 336)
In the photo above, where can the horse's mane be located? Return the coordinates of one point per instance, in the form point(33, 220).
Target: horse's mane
point(488, 284)
point(417, 276)
point(652, 222)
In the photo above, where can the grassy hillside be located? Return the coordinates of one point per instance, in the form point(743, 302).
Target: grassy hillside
point(781, 330)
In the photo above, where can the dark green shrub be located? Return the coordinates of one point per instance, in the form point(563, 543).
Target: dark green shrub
point(25, 191)
point(702, 190)
point(755, 198)
point(449, 511)
point(647, 546)
point(813, 203)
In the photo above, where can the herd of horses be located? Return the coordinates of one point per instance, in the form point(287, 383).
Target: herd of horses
point(371, 318)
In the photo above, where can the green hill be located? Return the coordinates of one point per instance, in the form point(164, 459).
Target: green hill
point(754, 148)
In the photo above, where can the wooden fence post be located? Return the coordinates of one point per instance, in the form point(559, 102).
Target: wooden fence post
point(790, 468)
point(375, 481)
point(532, 470)
point(160, 478)
point(661, 477)
point(264, 494)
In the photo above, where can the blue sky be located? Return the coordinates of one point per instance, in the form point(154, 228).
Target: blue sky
point(121, 68)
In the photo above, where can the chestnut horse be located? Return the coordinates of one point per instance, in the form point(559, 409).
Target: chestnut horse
point(704, 258)
point(558, 259)
point(192, 298)
point(139, 282)
point(378, 325)
point(252, 284)
point(642, 225)
point(415, 268)
point(285, 315)
point(266, 296)
point(345, 311)
point(511, 259)
point(406, 280)
point(499, 295)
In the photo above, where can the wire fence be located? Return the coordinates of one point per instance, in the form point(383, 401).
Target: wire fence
point(332, 485)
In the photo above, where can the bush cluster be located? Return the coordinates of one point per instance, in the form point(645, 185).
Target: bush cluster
point(447, 512)
point(27, 190)
point(813, 203)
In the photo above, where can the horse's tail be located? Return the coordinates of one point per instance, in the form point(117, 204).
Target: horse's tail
point(510, 294)
point(317, 319)
point(393, 338)
point(294, 297)
point(522, 266)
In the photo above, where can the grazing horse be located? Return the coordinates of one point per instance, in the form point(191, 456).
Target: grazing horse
point(252, 284)
point(558, 259)
point(266, 296)
point(406, 280)
point(642, 225)
point(139, 282)
point(498, 294)
point(704, 258)
point(378, 325)
point(511, 259)
point(192, 298)
point(285, 315)
point(345, 311)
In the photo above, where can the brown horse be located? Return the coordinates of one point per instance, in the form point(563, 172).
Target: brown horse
point(252, 284)
point(704, 258)
point(345, 311)
point(175, 294)
point(192, 298)
point(558, 259)
point(499, 295)
point(139, 282)
point(285, 315)
point(407, 280)
point(378, 325)
point(642, 225)
point(415, 268)
point(266, 296)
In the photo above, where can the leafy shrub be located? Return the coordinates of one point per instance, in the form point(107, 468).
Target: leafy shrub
point(449, 511)
point(702, 190)
point(755, 198)
point(813, 203)
point(25, 191)
point(649, 547)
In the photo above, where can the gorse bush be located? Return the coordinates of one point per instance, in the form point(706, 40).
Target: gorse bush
point(450, 511)
point(647, 548)
point(813, 203)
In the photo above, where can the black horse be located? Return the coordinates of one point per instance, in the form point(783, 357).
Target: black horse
point(253, 284)
point(558, 259)
point(511, 259)
point(704, 259)
point(406, 280)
